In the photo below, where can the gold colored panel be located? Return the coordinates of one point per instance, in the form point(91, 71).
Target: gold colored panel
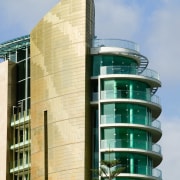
point(59, 83)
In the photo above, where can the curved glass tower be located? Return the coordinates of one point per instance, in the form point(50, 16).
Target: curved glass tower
point(125, 109)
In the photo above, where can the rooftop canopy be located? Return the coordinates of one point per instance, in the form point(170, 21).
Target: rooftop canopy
point(14, 44)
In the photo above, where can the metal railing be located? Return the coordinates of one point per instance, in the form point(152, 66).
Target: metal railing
point(104, 70)
point(115, 43)
point(20, 163)
point(137, 169)
point(136, 119)
point(123, 94)
point(134, 144)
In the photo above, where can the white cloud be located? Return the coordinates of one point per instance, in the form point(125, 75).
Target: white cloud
point(115, 19)
point(19, 17)
point(164, 42)
point(170, 148)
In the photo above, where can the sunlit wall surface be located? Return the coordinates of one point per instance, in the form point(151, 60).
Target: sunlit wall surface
point(60, 128)
point(125, 109)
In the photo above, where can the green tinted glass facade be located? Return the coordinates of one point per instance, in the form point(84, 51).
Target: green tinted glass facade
point(122, 94)
point(128, 64)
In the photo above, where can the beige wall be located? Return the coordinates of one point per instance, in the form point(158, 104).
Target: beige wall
point(59, 65)
point(7, 100)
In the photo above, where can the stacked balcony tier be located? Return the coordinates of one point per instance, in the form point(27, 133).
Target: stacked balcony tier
point(125, 109)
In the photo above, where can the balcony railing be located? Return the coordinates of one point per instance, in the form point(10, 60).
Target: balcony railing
point(140, 170)
point(156, 124)
point(20, 117)
point(20, 164)
point(115, 43)
point(140, 95)
point(135, 144)
point(133, 119)
point(20, 144)
point(128, 70)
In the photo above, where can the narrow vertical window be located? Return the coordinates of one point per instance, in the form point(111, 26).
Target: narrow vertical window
point(45, 145)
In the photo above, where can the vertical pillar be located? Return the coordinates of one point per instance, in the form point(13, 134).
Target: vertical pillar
point(131, 164)
point(115, 91)
point(26, 77)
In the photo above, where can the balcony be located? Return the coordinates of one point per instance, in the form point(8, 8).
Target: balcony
point(137, 119)
point(121, 94)
point(105, 70)
point(134, 144)
point(141, 172)
point(21, 144)
point(115, 43)
point(20, 118)
point(20, 165)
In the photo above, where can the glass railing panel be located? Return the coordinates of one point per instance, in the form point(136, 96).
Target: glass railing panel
point(106, 119)
point(123, 118)
point(118, 70)
point(94, 96)
point(105, 70)
point(139, 169)
point(137, 144)
point(123, 143)
point(135, 169)
point(150, 73)
point(157, 173)
point(114, 94)
point(156, 148)
point(115, 43)
point(156, 124)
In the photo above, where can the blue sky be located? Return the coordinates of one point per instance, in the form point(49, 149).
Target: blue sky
point(153, 24)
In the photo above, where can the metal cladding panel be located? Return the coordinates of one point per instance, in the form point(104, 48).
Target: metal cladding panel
point(59, 52)
point(7, 96)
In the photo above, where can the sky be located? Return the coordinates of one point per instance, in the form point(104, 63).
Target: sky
point(153, 24)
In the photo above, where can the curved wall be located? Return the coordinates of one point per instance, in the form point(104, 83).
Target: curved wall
point(59, 92)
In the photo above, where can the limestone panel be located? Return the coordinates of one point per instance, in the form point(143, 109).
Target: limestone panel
point(59, 78)
point(7, 100)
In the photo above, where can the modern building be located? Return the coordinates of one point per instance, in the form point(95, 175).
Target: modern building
point(69, 101)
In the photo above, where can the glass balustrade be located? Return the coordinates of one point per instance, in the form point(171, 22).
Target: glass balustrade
point(115, 43)
point(137, 119)
point(156, 124)
point(138, 169)
point(105, 70)
point(123, 143)
point(115, 94)
point(119, 118)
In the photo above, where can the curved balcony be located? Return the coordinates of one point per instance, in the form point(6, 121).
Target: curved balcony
point(105, 70)
point(115, 43)
point(140, 95)
point(135, 144)
point(141, 172)
point(137, 119)
point(119, 118)
point(156, 124)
